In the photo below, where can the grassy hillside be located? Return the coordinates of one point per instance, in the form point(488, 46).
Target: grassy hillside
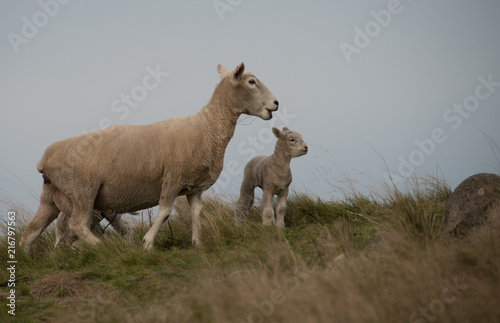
point(361, 259)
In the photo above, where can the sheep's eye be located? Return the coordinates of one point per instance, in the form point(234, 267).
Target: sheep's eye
point(252, 81)
point(292, 139)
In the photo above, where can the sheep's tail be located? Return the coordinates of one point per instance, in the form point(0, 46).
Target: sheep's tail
point(40, 167)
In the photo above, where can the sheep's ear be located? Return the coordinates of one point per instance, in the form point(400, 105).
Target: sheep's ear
point(238, 71)
point(285, 129)
point(222, 71)
point(277, 132)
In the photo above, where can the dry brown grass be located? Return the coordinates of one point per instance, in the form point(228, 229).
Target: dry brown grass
point(358, 260)
point(58, 284)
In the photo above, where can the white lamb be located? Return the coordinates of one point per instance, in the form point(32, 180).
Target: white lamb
point(272, 174)
point(126, 168)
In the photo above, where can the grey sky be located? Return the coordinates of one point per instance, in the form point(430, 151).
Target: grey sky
point(400, 87)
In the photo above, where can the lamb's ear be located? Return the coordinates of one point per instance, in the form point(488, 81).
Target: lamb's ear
point(277, 132)
point(285, 129)
point(222, 71)
point(238, 71)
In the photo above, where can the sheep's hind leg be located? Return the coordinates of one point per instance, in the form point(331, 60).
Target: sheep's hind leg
point(81, 221)
point(46, 213)
point(267, 208)
point(280, 210)
point(63, 233)
point(242, 206)
point(196, 206)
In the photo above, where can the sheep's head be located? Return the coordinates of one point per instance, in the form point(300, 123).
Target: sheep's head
point(252, 96)
point(290, 142)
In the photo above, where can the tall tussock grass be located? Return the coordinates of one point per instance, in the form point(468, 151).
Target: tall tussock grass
point(375, 258)
point(417, 211)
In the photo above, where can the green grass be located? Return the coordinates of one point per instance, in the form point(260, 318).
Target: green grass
point(360, 259)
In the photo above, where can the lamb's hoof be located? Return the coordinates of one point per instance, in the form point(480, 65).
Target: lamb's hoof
point(239, 223)
point(77, 245)
point(129, 240)
point(196, 243)
point(268, 223)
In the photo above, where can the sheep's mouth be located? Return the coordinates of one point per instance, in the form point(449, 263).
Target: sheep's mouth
point(271, 111)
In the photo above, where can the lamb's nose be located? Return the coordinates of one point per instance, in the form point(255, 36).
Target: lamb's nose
point(277, 103)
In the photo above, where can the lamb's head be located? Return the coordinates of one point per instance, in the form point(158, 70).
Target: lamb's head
point(290, 142)
point(249, 93)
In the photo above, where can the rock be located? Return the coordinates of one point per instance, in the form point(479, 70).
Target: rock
point(471, 204)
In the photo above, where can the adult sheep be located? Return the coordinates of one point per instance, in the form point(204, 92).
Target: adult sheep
point(126, 168)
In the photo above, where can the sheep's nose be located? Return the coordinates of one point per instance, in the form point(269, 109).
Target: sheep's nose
point(277, 103)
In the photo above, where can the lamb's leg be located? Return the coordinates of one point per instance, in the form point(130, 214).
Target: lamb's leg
point(166, 205)
point(95, 225)
point(195, 205)
point(121, 226)
point(242, 206)
point(280, 210)
point(46, 213)
point(267, 208)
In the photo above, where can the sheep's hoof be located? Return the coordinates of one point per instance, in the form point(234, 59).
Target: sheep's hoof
point(146, 245)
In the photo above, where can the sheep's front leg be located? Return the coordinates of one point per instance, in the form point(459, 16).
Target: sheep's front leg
point(163, 214)
point(267, 208)
point(196, 206)
point(280, 210)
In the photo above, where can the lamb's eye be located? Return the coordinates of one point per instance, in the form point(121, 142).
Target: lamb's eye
point(292, 139)
point(252, 81)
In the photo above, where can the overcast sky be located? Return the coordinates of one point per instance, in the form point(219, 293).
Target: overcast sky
point(407, 85)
